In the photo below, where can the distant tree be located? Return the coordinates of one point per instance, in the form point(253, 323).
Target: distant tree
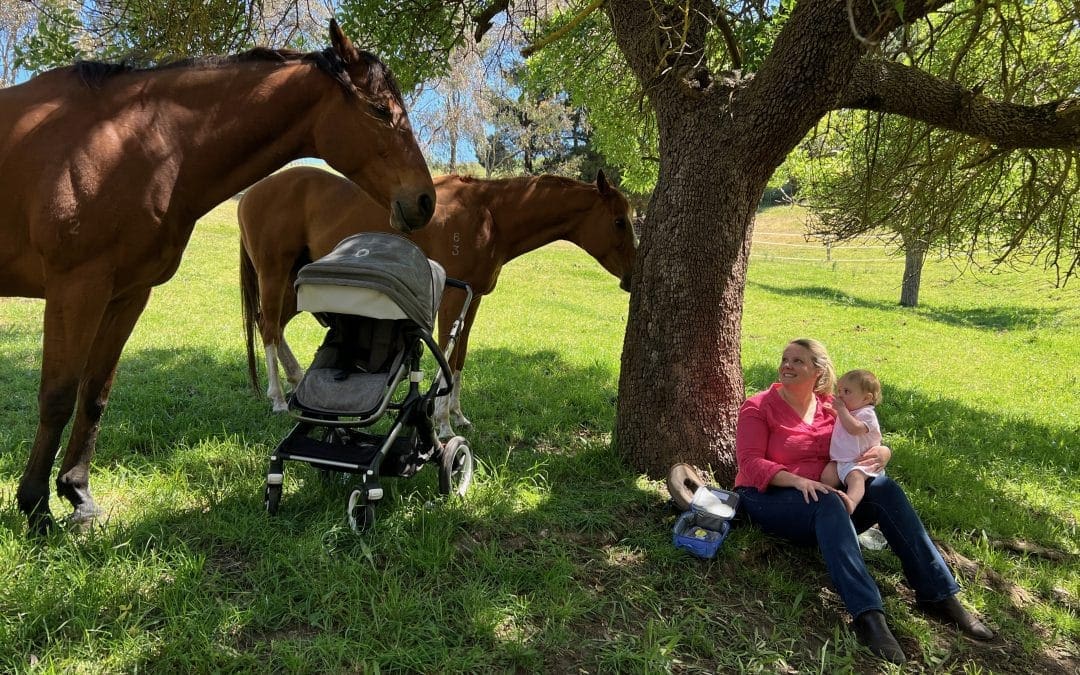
point(17, 21)
point(930, 190)
point(147, 32)
point(446, 113)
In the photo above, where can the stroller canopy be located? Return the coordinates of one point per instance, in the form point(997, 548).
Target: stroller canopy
point(367, 269)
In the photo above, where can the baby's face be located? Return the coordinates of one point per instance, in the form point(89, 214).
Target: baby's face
point(852, 396)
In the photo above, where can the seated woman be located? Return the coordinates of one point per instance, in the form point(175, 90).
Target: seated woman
point(782, 446)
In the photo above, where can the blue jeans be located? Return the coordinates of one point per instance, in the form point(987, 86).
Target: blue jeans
point(783, 513)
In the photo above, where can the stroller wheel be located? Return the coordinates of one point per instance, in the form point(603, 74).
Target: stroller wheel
point(360, 511)
point(272, 498)
point(455, 467)
point(682, 482)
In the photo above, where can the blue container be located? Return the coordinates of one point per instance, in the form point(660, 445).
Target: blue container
point(690, 536)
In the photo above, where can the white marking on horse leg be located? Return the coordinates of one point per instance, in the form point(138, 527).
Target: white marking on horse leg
point(293, 372)
point(456, 415)
point(442, 415)
point(273, 389)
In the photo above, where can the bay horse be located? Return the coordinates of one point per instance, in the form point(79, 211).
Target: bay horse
point(300, 214)
point(106, 168)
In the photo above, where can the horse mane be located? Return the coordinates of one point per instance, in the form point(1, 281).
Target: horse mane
point(378, 76)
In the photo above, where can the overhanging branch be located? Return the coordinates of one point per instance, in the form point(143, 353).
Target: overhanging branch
point(888, 87)
point(552, 37)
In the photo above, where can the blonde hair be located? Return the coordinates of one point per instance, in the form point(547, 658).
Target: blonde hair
point(826, 381)
point(867, 383)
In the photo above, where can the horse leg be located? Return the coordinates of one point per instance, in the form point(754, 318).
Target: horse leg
point(271, 289)
point(273, 379)
point(294, 372)
point(73, 481)
point(457, 363)
point(71, 323)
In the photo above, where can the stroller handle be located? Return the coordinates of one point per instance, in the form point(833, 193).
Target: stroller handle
point(440, 356)
point(447, 374)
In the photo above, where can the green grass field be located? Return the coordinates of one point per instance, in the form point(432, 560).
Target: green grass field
point(560, 558)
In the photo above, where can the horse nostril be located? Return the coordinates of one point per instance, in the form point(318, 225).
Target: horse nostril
point(427, 205)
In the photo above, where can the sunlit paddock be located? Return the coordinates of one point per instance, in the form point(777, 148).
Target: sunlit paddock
point(559, 557)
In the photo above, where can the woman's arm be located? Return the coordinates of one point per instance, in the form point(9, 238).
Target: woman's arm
point(751, 442)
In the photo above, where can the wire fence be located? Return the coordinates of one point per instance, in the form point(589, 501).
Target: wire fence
point(765, 241)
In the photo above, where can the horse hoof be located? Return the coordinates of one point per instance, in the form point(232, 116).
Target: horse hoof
point(39, 525)
point(682, 482)
point(281, 407)
point(462, 421)
point(84, 513)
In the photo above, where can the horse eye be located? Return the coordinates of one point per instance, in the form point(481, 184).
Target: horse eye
point(620, 223)
point(381, 111)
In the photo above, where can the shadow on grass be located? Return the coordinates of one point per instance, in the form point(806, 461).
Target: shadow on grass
point(558, 559)
point(987, 318)
point(162, 400)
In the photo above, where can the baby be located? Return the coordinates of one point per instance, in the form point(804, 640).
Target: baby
point(855, 432)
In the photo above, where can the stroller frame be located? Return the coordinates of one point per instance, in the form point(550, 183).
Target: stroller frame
point(335, 442)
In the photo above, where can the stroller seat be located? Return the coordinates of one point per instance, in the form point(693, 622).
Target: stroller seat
point(331, 391)
point(355, 369)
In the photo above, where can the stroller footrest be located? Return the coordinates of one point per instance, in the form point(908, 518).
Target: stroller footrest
point(342, 457)
point(354, 455)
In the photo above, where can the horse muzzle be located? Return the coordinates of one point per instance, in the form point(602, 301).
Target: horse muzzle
point(410, 214)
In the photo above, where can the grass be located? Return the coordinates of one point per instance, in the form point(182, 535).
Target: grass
point(559, 558)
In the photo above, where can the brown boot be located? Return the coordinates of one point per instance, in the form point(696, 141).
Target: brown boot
point(872, 631)
point(951, 611)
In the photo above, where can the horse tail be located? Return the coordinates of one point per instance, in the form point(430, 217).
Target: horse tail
point(249, 298)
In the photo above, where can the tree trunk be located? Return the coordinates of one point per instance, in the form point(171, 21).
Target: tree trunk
point(914, 256)
point(453, 152)
point(681, 380)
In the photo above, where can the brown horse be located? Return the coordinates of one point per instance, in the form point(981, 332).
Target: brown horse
point(300, 214)
point(106, 169)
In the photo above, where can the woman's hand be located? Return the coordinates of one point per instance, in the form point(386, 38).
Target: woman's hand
point(875, 459)
point(811, 488)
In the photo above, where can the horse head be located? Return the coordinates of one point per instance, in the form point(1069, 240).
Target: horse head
point(366, 134)
point(608, 233)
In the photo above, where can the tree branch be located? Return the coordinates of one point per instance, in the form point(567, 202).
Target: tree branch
point(888, 87)
point(552, 37)
point(730, 40)
point(483, 19)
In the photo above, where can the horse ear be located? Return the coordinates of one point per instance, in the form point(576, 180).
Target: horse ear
point(601, 182)
point(342, 44)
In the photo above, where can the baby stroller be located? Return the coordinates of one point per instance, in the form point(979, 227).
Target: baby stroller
point(377, 294)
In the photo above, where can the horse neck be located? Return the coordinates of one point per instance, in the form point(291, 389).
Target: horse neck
point(260, 120)
point(533, 212)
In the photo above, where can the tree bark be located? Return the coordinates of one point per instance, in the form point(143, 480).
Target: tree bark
point(914, 256)
point(681, 378)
